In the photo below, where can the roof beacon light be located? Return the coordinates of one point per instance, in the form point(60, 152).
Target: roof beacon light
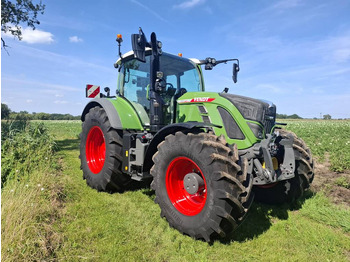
point(179, 54)
point(119, 38)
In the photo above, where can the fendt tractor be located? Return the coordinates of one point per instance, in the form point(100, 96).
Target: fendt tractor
point(205, 154)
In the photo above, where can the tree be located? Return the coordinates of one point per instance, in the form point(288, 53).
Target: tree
point(284, 116)
point(281, 116)
point(42, 116)
point(294, 116)
point(5, 111)
point(15, 13)
point(327, 117)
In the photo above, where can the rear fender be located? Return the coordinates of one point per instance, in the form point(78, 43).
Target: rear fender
point(108, 106)
point(120, 113)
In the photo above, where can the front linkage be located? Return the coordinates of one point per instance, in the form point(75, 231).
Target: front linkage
point(263, 159)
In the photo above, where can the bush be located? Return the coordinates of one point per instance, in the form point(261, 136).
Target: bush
point(25, 147)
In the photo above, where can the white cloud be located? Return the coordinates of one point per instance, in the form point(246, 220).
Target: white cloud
point(75, 39)
point(31, 36)
point(36, 36)
point(29, 101)
point(189, 4)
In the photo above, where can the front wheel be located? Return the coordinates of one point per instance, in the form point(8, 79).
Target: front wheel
point(201, 185)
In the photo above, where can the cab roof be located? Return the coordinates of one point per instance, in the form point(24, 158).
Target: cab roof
point(130, 55)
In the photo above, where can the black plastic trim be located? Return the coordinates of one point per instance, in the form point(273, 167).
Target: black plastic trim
point(232, 129)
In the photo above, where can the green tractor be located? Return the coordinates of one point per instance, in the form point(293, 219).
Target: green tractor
point(205, 154)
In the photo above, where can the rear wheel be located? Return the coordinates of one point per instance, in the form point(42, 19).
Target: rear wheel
point(101, 153)
point(291, 189)
point(201, 185)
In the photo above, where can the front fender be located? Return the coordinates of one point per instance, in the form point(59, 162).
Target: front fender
point(167, 130)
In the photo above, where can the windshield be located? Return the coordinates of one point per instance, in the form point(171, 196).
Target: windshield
point(134, 78)
point(180, 73)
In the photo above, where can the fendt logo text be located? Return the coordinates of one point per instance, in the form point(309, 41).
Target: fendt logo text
point(196, 100)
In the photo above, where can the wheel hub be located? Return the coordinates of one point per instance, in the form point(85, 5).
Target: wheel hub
point(186, 186)
point(193, 182)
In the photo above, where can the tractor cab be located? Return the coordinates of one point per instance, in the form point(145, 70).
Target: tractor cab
point(177, 76)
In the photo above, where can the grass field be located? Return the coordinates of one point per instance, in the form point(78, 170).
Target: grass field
point(68, 221)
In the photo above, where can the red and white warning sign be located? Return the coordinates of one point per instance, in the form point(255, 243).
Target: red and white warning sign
point(92, 91)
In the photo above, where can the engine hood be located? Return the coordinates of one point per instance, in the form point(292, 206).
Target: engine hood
point(253, 109)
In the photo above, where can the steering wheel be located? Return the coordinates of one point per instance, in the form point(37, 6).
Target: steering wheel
point(170, 90)
point(170, 85)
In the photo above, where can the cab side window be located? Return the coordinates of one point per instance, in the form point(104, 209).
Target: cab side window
point(135, 81)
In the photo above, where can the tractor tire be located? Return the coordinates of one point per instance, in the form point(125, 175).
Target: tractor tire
point(101, 153)
point(288, 191)
point(201, 185)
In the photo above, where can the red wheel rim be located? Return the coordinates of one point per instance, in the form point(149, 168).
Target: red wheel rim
point(95, 149)
point(185, 203)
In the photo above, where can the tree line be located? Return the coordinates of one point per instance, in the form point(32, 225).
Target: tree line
point(284, 116)
point(7, 113)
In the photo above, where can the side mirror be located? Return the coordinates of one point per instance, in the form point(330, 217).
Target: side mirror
point(139, 42)
point(235, 72)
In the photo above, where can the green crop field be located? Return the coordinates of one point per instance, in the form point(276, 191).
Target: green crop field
point(327, 139)
point(50, 214)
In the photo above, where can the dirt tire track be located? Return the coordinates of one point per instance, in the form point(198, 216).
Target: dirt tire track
point(325, 181)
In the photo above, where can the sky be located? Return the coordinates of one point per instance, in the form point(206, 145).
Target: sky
point(294, 53)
